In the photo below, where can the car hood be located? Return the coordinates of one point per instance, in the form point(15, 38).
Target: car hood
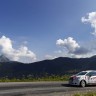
point(77, 76)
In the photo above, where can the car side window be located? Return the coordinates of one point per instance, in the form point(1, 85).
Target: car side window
point(94, 74)
point(91, 74)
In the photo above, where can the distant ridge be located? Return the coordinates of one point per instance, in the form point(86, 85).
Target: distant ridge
point(93, 56)
point(3, 58)
point(57, 66)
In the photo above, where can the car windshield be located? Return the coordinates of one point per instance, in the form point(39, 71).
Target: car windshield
point(81, 73)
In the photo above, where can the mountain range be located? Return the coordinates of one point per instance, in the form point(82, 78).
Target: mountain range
point(57, 66)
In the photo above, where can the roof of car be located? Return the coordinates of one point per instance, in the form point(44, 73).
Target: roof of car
point(90, 70)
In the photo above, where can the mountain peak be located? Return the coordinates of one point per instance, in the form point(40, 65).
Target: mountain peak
point(3, 58)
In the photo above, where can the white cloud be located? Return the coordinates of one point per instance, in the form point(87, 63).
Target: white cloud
point(73, 48)
point(91, 18)
point(16, 54)
point(68, 43)
point(49, 57)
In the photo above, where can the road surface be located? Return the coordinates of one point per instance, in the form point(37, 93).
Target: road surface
point(40, 89)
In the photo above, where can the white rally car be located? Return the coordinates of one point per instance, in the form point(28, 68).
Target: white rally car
point(83, 78)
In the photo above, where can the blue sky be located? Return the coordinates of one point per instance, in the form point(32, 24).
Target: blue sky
point(39, 24)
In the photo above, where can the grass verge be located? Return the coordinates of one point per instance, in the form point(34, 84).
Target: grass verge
point(32, 79)
point(86, 94)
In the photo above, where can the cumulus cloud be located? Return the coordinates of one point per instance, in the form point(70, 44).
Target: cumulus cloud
point(72, 46)
point(16, 54)
point(68, 43)
point(91, 18)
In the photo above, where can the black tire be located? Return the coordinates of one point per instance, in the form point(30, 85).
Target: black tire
point(82, 83)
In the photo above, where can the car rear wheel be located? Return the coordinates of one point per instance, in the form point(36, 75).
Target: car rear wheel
point(82, 83)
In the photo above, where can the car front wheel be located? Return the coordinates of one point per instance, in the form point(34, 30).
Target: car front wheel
point(82, 83)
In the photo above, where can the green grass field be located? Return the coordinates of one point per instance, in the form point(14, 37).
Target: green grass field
point(86, 94)
point(30, 78)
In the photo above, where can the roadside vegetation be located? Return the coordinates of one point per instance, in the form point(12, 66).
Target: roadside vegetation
point(86, 94)
point(30, 78)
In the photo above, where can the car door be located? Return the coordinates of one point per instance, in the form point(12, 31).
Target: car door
point(91, 77)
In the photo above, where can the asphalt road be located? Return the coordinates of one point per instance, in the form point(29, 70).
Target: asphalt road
point(40, 89)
